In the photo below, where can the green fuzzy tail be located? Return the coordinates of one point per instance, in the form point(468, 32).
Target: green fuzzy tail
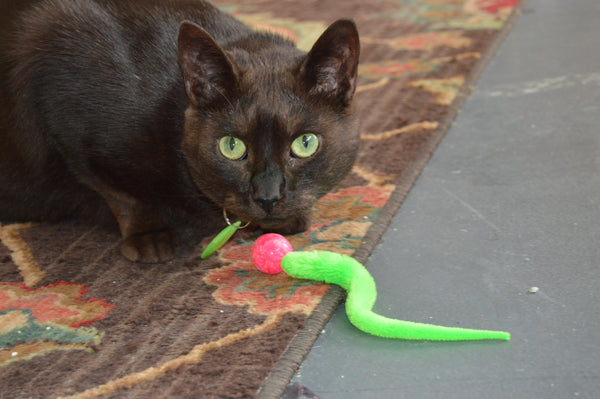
point(333, 268)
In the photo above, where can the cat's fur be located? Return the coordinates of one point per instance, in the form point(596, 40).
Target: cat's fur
point(120, 102)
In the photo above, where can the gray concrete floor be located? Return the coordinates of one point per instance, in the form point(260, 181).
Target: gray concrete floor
point(510, 200)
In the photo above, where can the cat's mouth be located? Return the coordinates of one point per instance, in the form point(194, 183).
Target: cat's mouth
point(269, 223)
point(291, 225)
point(275, 224)
point(283, 220)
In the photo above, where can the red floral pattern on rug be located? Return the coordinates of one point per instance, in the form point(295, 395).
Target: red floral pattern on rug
point(41, 320)
point(494, 6)
point(59, 303)
point(240, 283)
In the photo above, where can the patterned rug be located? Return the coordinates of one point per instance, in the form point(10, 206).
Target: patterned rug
point(79, 321)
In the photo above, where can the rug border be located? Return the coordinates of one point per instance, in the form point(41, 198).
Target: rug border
point(292, 357)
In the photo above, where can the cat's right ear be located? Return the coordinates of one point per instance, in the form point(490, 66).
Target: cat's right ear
point(208, 73)
point(330, 68)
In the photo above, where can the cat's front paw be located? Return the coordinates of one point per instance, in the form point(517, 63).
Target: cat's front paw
point(151, 247)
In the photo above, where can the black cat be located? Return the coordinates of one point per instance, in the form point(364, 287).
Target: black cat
point(151, 105)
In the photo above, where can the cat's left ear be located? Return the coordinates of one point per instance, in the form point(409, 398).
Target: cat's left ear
point(208, 73)
point(331, 66)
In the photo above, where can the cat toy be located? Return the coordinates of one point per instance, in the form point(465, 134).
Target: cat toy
point(273, 253)
point(223, 236)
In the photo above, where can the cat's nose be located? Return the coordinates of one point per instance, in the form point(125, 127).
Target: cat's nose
point(267, 203)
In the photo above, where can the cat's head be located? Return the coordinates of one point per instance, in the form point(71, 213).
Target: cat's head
point(270, 129)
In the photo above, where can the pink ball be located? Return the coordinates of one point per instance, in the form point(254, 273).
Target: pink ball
point(268, 250)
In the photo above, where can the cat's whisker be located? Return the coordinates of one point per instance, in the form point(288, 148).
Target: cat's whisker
point(218, 90)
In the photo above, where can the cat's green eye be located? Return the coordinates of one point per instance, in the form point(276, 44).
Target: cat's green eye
point(232, 148)
point(305, 145)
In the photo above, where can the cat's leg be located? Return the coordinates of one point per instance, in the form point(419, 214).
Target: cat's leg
point(146, 234)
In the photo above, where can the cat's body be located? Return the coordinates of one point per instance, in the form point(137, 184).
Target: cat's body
point(119, 102)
